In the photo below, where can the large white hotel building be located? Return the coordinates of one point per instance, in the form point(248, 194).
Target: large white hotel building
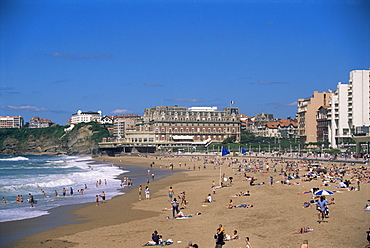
point(163, 124)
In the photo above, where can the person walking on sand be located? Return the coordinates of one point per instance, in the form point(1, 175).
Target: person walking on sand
point(170, 193)
point(147, 193)
point(140, 191)
point(321, 206)
point(97, 200)
point(219, 236)
point(175, 207)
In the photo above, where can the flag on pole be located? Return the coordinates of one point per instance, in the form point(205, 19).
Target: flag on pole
point(224, 151)
point(244, 151)
point(232, 102)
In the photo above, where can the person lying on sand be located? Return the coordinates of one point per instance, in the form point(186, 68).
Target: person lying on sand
point(241, 194)
point(304, 192)
point(230, 206)
point(180, 214)
point(304, 229)
point(244, 206)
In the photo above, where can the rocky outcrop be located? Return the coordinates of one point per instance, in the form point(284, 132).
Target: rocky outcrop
point(80, 142)
point(76, 142)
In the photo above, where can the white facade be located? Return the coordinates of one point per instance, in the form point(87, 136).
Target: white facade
point(358, 99)
point(89, 116)
point(207, 109)
point(11, 121)
point(349, 108)
point(339, 131)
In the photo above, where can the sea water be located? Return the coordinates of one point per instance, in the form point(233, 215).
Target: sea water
point(21, 175)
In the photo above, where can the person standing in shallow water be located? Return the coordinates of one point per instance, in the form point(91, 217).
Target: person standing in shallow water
point(31, 200)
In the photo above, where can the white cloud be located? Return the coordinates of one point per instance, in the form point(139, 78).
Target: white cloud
point(183, 100)
point(292, 104)
point(120, 111)
point(87, 56)
point(25, 108)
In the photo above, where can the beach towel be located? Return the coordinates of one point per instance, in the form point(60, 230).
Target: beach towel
point(229, 239)
point(185, 217)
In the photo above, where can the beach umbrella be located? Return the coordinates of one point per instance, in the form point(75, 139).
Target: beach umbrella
point(324, 192)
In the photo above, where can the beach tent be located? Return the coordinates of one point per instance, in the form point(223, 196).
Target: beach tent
point(324, 192)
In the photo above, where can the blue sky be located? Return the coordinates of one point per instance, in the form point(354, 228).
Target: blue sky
point(124, 56)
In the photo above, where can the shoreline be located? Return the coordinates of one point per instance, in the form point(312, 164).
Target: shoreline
point(12, 231)
point(124, 221)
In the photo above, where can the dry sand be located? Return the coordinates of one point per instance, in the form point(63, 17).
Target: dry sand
point(124, 221)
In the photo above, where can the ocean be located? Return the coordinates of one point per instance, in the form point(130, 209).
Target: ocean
point(21, 175)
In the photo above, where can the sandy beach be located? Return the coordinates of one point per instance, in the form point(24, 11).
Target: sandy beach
point(277, 211)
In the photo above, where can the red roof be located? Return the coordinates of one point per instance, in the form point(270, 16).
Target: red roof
point(281, 123)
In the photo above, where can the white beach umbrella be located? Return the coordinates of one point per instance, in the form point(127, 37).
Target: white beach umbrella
point(324, 192)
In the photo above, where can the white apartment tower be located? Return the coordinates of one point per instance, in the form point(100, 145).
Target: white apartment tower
point(349, 111)
point(358, 99)
point(339, 131)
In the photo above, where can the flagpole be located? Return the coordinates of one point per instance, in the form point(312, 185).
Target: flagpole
point(219, 178)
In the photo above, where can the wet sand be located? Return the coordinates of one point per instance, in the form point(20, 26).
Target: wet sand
point(124, 221)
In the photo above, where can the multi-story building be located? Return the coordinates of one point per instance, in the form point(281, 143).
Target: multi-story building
point(282, 128)
point(11, 121)
point(349, 111)
point(121, 123)
point(322, 125)
point(358, 100)
point(306, 115)
point(88, 116)
point(259, 123)
point(245, 121)
point(163, 124)
point(338, 130)
point(36, 122)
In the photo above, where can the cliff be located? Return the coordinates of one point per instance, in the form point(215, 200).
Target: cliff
point(81, 140)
